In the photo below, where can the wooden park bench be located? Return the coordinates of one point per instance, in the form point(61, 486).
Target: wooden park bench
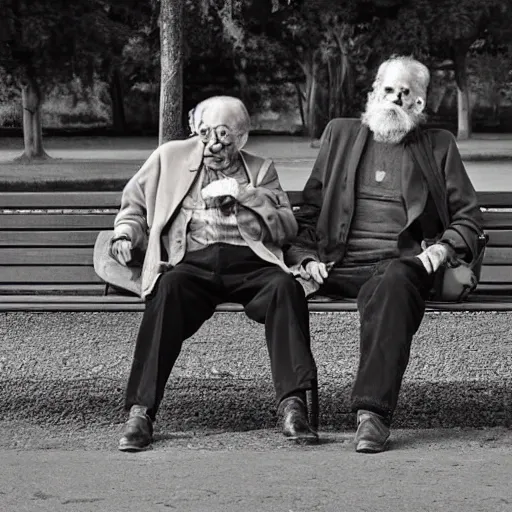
point(47, 240)
point(46, 258)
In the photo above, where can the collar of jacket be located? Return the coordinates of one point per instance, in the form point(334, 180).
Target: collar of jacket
point(338, 197)
point(420, 147)
point(179, 182)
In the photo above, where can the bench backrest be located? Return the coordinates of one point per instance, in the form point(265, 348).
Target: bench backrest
point(47, 240)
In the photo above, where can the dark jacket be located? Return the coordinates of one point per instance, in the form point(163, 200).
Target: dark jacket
point(325, 217)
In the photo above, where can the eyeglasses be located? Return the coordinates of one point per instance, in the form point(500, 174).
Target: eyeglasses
point(222, 134)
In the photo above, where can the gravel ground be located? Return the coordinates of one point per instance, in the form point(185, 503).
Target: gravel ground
point(70, 369)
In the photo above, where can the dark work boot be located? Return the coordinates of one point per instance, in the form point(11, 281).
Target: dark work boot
point(137, 432)
point(294, 421)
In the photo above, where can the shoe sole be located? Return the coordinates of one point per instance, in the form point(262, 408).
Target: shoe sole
point(130, 448)
point(304, 439)
point(371, 447)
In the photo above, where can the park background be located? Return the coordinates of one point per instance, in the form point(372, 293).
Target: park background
point(83, 78)
point(95, 68)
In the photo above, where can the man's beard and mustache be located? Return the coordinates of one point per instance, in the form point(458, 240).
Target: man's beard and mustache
point(389, 122)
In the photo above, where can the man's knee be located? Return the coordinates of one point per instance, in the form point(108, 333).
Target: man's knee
point(171, 281)
point(406, 272)
point(285, 284)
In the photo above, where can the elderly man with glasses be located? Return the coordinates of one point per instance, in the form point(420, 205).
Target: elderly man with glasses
point(211, 220)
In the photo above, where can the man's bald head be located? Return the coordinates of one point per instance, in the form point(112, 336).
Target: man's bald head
point(217, 110)
point(222, 123)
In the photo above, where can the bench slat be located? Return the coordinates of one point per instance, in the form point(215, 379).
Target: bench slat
point(48, 238)
point(498, 252)
point(72, 299)
point(112, 199)
point(92, 199)
point(319, 307)
point(498, 256)
point(496, 274)
point(495, 199)
point(57, 221)
point(49, 274)
point(50, 256)
point(501, 220)
point(500, 238)
point(52, 289)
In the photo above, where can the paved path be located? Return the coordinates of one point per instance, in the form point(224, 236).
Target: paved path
point(485, 175)
point(277, 146)
point(448, 471)
point(293, 156)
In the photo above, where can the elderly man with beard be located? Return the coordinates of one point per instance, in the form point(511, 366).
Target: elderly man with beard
point(369, 230)
point(211, 220)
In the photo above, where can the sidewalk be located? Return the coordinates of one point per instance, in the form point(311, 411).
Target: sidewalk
point(278, 147)
point(98, 162)
point(426, 471)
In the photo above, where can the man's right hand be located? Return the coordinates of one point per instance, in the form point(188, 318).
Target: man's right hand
point(122, 251)
point(316, 270)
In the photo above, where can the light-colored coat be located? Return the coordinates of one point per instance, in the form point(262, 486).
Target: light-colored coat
point(152, 198)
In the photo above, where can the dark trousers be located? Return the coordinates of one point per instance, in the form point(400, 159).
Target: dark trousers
point(391, 302)
point(186, 296)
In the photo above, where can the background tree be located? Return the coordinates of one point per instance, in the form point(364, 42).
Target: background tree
point(46, 42)
point(171, 70)
point(443, 33)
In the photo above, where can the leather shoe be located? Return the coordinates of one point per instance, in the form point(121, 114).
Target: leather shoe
point(372, 433)
point(294, 421)
point(137, 432)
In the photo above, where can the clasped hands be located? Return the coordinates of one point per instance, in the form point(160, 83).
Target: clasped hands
point(121, 248)
point(221, 188)
point(432, 257)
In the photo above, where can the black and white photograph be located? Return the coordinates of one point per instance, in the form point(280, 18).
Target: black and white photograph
point(256, 255)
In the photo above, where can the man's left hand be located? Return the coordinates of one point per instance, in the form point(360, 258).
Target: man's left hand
point(220, 188)
point(434, 256)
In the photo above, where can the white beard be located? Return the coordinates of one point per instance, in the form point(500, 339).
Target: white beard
point(389, 122)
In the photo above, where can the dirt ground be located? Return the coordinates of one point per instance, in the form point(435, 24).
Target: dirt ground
point(453, 470)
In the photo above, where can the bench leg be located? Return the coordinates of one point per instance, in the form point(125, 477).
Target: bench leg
point(312, 405)
point(106, 289)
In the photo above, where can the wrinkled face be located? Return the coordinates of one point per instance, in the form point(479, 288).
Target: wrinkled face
point(218, 130)
point(395, 106)
point(396, 88)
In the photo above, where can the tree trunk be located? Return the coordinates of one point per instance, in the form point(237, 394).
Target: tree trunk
point(32, 127)
point(463, 102)
point(171, 78)
point(334, 98)
point(300, 98)
point(117, 100)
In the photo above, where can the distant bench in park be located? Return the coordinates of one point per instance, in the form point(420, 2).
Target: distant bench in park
point(47, 241)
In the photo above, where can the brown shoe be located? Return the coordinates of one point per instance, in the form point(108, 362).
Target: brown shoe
point(294, 421)
point(138, 431)
point(372, 433)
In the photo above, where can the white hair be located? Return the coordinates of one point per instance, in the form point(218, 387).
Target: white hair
point(419, 71)
point(239, 110)
point(388, 121)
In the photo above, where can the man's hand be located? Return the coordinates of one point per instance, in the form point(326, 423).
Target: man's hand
point(316, 270)
point(219, 188)
point(122, 251)
point(434, 256)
